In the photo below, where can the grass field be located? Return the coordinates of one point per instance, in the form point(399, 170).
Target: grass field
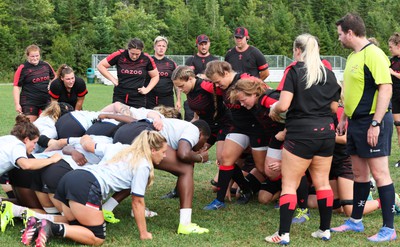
point(237, 225)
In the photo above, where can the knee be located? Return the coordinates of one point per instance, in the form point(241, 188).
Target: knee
point(264, 197)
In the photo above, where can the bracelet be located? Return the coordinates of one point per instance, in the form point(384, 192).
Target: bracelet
point(202, 160)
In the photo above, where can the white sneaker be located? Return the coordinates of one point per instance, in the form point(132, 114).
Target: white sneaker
point(275, 238)
point(324, 235)
point(147, 213)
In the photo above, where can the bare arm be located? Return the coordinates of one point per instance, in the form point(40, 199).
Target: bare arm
point(103, 68)
point(155, 77)
point(395, 74)
point(79, 103)
point(187, 155)
point(138, 208)
point(88, 144)
point(36, 164)
point(119, 118)
point(264, 74)
point(16, 94)
point(178, 103)
point(382, 103)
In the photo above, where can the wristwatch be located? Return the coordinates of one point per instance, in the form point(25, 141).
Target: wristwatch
point(375, 123)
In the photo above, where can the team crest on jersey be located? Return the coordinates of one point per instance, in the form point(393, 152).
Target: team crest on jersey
point(354, 68)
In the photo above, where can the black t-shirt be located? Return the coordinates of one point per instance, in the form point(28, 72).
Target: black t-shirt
point(58, 91)
point(395, 65)
point(250, 61)
point(198, 64)
point(310, 114)
point(201, 100)
point(261, 111)
point(34, 80)
point(132, 75)
point(243, 119)
point(165, 86)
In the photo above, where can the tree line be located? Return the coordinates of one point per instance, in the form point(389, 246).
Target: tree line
point(69, 31)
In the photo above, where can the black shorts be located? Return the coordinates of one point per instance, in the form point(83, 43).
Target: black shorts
point(103, 129)
point(68, 126)
point(153, 100)
point(52, 175)
point(128, 132)
point(308, 148)
point(357, 137)
point(80, 186)
point(33, 110)
point(256, 139)
point(131, 99)
point(396, 101)
point(219, 132)
point(271, 186)
point(22, 178)
point(4, 179)
point(341, 168)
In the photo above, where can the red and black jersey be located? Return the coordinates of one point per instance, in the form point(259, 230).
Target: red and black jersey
point(250, 61)
point(58, 91)
point(395, 65)
point(34, 81)
point(198, 63)
point(242, 118)
point(261, 111)
point(201, 101)
point(131, 74)
point(310, 114)
point(165, 86)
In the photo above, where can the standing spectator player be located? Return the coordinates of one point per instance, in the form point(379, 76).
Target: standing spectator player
point(394, 48)
point(134, 67)
point(68, 88)
point(367, 92)
point(199, 61)
point(246, 58)
point(310, 137)
point(198, 64)
point(31, 81)
point(163, 92)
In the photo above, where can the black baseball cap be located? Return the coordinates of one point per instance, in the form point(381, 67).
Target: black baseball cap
point(202, 38)
point(241, 32)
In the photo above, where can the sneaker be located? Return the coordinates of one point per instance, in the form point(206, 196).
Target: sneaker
point(109, 217)
point(276, 205)
point(244, 197)
point(349, 225)
point(214, 205)
point(26, 215)
point(192, 228)
point(302, 216)
point(397, 203)
point(7, 215)
point(397, 164)
point(370, 198)
point(384, 234)
point(44, 233)
point(172, 194)
point(30, 231)
point(147, 213)
point(275, 238)
point(324, 235)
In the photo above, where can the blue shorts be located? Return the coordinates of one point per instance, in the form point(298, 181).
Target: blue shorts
point(80, 186)
point(357, 137)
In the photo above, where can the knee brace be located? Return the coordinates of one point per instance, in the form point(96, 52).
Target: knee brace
point(396, 123)
point(346, 202)
point(99, 231)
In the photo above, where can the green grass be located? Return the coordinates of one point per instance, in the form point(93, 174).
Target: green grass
point(234, 226)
